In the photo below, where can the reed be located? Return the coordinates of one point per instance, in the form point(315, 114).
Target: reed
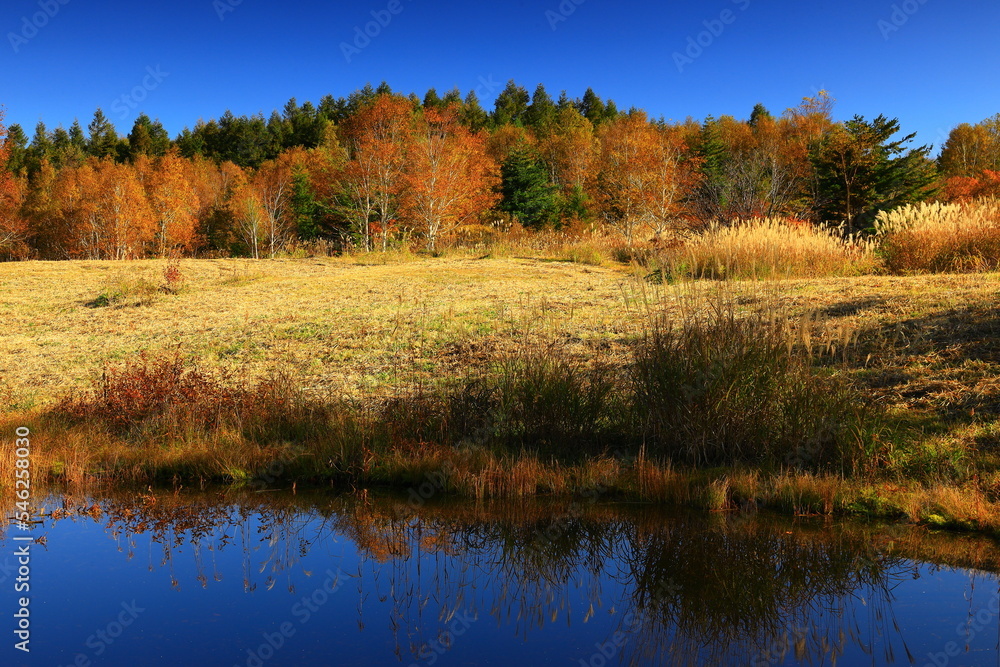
point(940, 238)
point(769, 248)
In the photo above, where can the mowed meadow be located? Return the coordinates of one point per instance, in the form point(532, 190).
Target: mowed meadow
point(813, 380)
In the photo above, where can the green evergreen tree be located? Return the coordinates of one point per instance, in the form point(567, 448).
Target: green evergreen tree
point(611, 111)
point(759, 113)
point(591, 107)
point(61, 147)
point(103, 139)
point(17, 158)
point(306, 210)
point(278, 136)
point(77, 137)
point(511, 105)
point(861, 171)
point(39, 149)
point(528, 194)
point(541, 113)
point(361, 98)
point(453, 98)
point(712, 195)
point(147, 138)
point(191, 144)
point(332, 109)
point(432, 100)
point(473, 115)
point(307, 127)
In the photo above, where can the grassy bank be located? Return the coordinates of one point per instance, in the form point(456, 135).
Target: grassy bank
point(513, 377)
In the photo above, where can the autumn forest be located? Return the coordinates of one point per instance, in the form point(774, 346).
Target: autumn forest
point(378, 169)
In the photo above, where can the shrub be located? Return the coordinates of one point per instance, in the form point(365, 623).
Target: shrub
point(122, 289)
point(937, 238)
point(168, 394)
point(173, 279)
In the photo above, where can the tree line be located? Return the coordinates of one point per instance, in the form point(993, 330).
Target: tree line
point(376, 168)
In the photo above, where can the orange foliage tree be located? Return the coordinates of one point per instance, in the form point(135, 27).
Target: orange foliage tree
point(125, 222)
point(643, 175)
point(174, 200)
point(261, 204)
point(377, 139)
point(450, 178)
point(13, 227)
point(103, 211)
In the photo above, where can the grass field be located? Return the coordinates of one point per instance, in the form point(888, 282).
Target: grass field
point(340, 325)
point(923, 349)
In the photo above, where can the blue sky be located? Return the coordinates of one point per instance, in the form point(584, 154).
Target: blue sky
point(932, 64)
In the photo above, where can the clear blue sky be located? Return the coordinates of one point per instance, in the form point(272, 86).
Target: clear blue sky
point(938, 69)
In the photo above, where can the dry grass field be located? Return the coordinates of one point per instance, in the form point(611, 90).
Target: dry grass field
point(356, 328)
point(342, 325)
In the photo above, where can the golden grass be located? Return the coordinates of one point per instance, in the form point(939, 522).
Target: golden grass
point(770, 248)
point(341, 326)
point(937, 238)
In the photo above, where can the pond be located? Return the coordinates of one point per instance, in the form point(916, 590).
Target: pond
point(252, 579)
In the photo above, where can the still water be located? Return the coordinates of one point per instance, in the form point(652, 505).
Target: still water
point(262, 579)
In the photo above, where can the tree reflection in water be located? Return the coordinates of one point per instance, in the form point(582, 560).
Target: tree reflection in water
point(681, 588)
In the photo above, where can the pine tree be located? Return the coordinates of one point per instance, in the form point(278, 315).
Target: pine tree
point(860, 171)
point(432, 100)
point(362, 98)
point(103, 140)
point(191, 144)
point(453, 98)
point(611, 111)
point(278, 136)
point(591, 107)
point(147, 138)
point(16, 145)
point(758, 114)
point(511, 105)
point(472, 114)
point(77, 138)
point(61, 147)
point(712, 195)
point(39, 149)
point(527, 192)
point(305, 210)
point(333, 110)
point(541, 114)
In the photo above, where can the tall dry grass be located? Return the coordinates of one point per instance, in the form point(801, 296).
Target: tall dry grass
point(940, 238)
point(770, 248)
point(719, 387)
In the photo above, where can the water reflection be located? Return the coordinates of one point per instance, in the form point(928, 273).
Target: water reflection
point(596, 583)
